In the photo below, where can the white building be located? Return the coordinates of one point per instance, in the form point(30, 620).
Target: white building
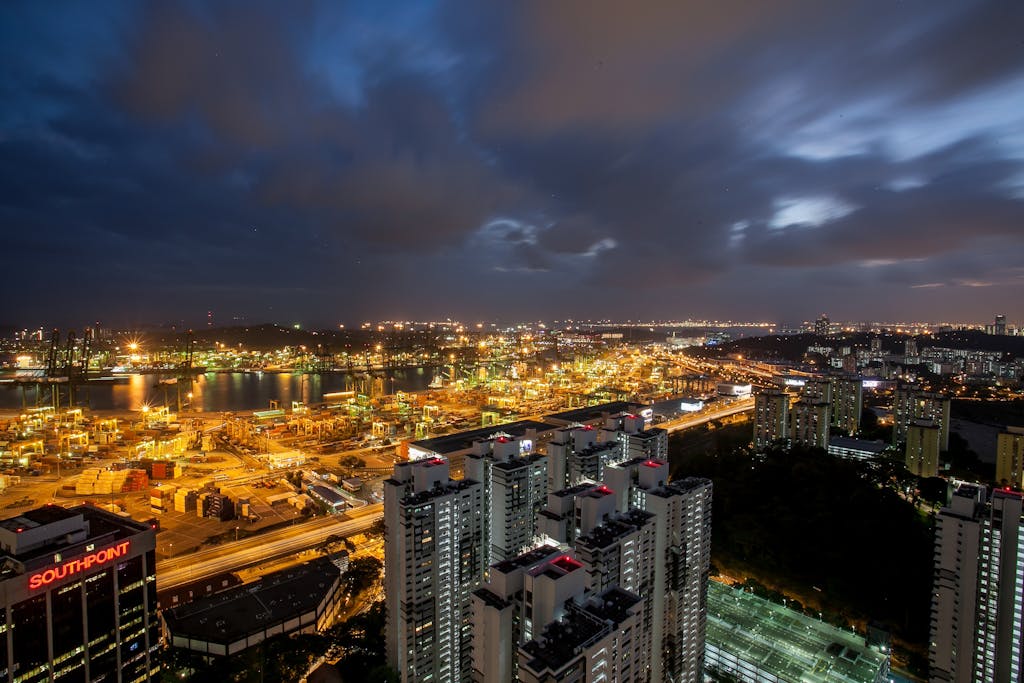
point(435, 556)
point(978, 590)
point(515, 490)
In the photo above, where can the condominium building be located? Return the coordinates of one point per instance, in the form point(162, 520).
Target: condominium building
point(847, 402)
point(575, 456)
point(79, 597)
point(922, 450)
point(593, 642)
point(501, 622)
point(911, 403)
point(435, 550)
point(771, 417)
point(514, 488)
point(1010, 457)
point(809, 423)
point(978, 589)
point(682, 511)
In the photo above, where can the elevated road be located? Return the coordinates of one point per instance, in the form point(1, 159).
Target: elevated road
point(176, 571)
point(742, 405)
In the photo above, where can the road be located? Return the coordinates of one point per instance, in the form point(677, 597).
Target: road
point(174, 572)
point(739, 406)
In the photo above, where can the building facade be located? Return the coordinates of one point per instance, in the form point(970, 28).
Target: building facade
point(434, 552)
point(1010, 457)
point(978, 589)
point(809, 423)
point(911, 403)
point(771, 417)
point(79, 595)
point(922, 449)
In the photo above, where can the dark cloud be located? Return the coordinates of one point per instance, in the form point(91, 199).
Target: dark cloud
point(513, 159)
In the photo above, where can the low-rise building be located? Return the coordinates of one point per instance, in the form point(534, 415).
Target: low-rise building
point(303, 599)
point(757, 641)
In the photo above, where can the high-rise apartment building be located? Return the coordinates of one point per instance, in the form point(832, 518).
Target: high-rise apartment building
point(809, 423)
point(847, 402)
point(515, 489)
point(771, 417)
point(575, 456)
point(978, 590)
point(499, 615)
point(593, 642)
point(1010, 457)
point(822, 326)
point(922, 450)
point(434, 530)
point(911, 403)
point(79, 592)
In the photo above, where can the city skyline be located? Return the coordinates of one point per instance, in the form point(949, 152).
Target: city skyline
point(325, 162)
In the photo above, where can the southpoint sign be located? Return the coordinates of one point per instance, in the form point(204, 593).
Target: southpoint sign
point(78, 565)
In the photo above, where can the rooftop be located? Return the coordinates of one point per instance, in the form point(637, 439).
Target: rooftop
point(31, 519)
point(229, 616)
point(857, 444)
point(563, 640)
point(527, 559)
point(785, 643)
point(612, 530)
point(459, 441)
point(591, 413)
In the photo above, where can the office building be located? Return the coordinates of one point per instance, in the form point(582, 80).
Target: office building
point(1010, 457)
point(771, 417)
point(978, 589)
point(911, 403)
point(809, 423)
point(435, 550)
point(79, 592)
point(515, 489)
point(922, 449)
point(822, 326)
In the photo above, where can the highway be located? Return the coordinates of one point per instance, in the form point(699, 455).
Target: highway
point(739, 406)
point(174, 572)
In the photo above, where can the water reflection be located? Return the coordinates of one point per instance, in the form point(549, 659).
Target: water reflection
point(214, 392)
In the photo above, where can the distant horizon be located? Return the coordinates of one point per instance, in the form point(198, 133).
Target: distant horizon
point(471, 323)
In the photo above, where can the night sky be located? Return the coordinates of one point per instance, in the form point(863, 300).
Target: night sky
point(325, 162)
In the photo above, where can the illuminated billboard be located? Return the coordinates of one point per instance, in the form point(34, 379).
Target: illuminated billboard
point(78, 565)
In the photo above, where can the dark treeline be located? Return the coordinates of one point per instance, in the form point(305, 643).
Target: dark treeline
point(805, 518)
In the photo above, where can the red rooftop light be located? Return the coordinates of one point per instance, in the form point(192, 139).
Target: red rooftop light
point(652, 463)
point(566, 563)
point(604, 489)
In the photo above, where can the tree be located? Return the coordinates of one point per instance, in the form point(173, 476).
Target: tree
point(362, 572)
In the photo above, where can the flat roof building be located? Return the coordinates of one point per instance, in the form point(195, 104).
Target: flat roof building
point(301, 599)
point(855, 449)
point(755, 640)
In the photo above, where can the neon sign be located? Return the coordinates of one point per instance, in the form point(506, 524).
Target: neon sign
point(72, 567)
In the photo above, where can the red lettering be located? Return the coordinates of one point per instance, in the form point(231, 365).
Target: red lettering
point(70, 567)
